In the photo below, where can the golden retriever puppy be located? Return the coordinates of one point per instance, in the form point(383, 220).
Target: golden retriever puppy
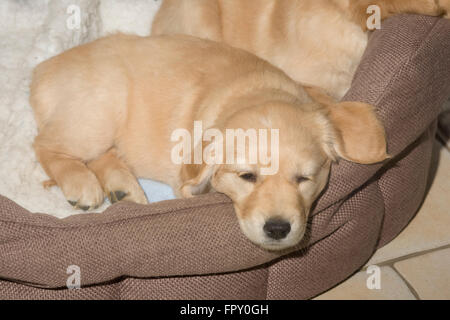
point(316, 42)
point(117, 109)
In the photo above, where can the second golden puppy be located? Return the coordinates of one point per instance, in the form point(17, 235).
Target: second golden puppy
point(107, 112)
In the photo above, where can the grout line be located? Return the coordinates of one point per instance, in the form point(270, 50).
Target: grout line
point(441, 140)
point(410, 287)
point(408, 256)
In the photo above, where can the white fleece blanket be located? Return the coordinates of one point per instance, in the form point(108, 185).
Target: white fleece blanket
point(30, 32)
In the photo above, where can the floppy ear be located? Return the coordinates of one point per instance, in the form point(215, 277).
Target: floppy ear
point(356, 134)
point(195, 179)
point(360, 136)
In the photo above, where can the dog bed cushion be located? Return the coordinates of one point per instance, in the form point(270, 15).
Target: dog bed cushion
point(193, 248)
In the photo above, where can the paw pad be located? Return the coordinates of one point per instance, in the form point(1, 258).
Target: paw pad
point(84, 208)
point(115, 196)
point(72, 203)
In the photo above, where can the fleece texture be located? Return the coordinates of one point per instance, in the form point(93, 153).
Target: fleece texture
point(32, 31)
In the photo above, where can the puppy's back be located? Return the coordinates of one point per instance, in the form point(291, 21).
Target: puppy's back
point(110, 69)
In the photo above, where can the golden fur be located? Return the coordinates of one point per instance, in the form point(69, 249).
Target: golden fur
point(316, 42)
point(106, 112)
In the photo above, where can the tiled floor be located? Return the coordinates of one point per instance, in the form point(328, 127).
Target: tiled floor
point(415, 265)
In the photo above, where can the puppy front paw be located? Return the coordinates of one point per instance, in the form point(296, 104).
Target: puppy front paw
point(121, 185)
point(83, 191)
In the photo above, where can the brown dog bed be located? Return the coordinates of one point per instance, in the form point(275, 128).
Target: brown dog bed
point(193, 249)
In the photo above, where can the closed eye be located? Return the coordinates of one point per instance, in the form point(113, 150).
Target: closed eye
point(301, 179)
point(248, 176)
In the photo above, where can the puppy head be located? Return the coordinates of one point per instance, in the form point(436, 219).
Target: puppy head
point(272, 196)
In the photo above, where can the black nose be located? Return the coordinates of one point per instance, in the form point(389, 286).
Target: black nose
point(277, 229)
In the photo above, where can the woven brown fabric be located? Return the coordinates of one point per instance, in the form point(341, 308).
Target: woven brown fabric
point(193, 249)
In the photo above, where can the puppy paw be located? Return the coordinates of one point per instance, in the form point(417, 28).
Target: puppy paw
point(434, 8)
point(116, 196)
point(428, 7)
point(445, 7)
point(121, 185)
point(83, 191)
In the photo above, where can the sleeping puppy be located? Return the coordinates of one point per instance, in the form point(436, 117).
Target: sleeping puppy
point(316, 42)
point(113, 110)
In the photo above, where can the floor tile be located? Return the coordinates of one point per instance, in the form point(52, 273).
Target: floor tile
point(428, 274)
point(431, 227)
point(392, 287)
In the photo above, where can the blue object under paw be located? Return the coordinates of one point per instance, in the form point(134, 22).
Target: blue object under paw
point(156, 191)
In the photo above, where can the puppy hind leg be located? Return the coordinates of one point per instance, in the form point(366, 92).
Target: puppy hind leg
point(202, 19)
point(116, 178)
point(425, 7)
point(445, 6)
point(388, 8)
